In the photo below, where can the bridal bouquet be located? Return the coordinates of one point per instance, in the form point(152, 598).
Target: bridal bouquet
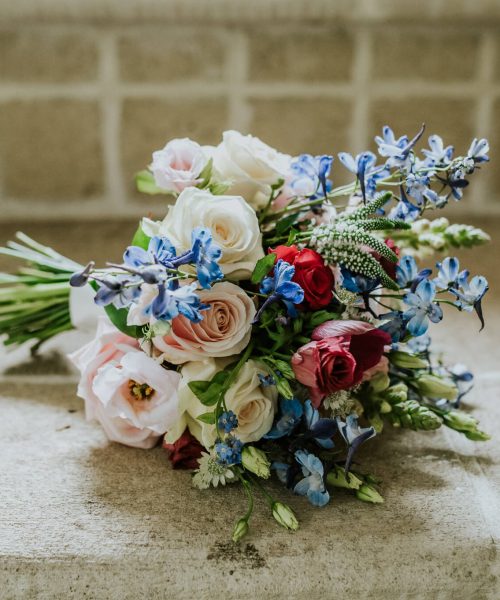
point(271, 323)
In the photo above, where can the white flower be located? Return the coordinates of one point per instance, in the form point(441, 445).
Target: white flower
point(210, 472)
point(178, 165)
point(224, 330)
point(253, 404)
point(249, 166)
point(231, 220)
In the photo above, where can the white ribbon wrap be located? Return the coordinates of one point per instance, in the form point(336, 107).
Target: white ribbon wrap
point(84, 312)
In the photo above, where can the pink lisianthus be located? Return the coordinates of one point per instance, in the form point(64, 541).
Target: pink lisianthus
point(130, 394)
point(338, 356)
point(178, 165)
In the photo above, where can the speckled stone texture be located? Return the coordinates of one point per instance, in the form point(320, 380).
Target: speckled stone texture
point(83, 518)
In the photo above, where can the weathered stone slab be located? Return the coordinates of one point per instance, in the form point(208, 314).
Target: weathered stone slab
point(85, 518)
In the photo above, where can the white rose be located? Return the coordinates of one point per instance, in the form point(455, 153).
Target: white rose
point(249, 166)
point(254, 404)
point(233, 224)
point(178, 165)
point(224, 330)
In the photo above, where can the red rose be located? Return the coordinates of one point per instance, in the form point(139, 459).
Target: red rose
point(337, 357)
point(185, 452)
point(386, 264)
point(311, 273)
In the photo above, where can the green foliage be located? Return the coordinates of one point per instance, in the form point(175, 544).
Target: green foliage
point(413, 415)
point(208, 392)
point(145, 183)
point(262, 268)
point(140, 238)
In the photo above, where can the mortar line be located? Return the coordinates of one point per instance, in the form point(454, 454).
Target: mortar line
point(111, 114)
point(360, 92)
point(236, 78)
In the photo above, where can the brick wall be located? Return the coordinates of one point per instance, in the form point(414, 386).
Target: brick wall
point(83, 103)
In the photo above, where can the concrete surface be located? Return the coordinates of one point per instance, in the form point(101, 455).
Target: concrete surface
point(83, 518)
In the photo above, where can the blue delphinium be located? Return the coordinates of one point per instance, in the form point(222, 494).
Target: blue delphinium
point(397, 151)
point(228, 452)
point(448, 272)
point(313, 484)
point(404, 210)
point(469, 294)
point(363, 166)
point(288, 418)
point(407, 273)
point(119, 290)
point(394, 325)
point(227, 421)
point(422, 308)
point(478, 150)
point(438, 154)
point(358, 284)
point(320, 429)
point(184, 300)
point(417, 186)
point(310, 175)
point(206, 255)
point(280, 286)
point(420, 344)
point(353, 435)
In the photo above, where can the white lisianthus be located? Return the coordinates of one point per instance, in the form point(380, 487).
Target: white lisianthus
point(249, 166)
point(231, 220)
point(253, 404)
point(178, 165)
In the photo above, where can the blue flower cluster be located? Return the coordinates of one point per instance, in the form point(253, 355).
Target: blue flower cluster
point(159, 265)
point(310, 175)
point(280, 287)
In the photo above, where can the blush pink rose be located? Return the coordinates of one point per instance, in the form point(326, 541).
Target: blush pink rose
point(224, 330)
point(337, 357)
point(131, 395)
point(178, 165)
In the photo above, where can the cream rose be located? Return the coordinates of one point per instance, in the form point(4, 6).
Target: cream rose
point(233, 224)
point(249, 166)
point(253, 404)
point(224, 330)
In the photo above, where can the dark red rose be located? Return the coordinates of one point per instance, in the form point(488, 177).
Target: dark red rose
point(338, 356)
point(311, 273)
point(185, 452)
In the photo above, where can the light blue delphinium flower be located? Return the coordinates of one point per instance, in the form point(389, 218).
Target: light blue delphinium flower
point(184, 300)
point(405, 210)
point(119, 290)
point(313, 484)
point(321, 430)
point(422, 308)
point(311, 174)
point(160, 251)
point(362, 166)
point(394, 325)
point(353, 435)
point(478, 150)
point(407, 273)
point(281, 287)
point(448, 272)
point(358, 284)
point(417, 186)
point(206, 255)
point(470, 294)
point(438, 154)
point(420, 344)
point(289, 417)
point(397, 151)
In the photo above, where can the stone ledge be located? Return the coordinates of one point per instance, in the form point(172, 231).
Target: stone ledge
point(85, 518)
point(241, 11)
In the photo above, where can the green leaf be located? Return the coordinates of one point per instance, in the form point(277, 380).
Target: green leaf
point(283, 225)
point(263, 267)
point(206, 174)
point(284, 389)
point(208, 392)
point(292, 236)
point(140, 238)
point(284, 368)
point(321, 316)
point(145, 183)
point(208, 417)
point(118, 316)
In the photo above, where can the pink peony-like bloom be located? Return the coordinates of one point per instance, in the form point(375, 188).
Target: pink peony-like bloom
point(132, 396)
point(224, 330)
point(178, 165)
point(338, 356)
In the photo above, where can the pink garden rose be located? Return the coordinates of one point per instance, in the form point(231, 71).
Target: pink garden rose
point(224, 330)
point(178, 165)
point(132, 396)
point(337, 357)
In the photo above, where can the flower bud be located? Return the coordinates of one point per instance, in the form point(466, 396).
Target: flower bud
point(338, 478)
point(405, 360)
point(240, 530)
point(461, 421)
point(255, 461)
point(397, 393)
point(385, 407)
point(283, 514)
point(436, 387)
point(367, 493)
point(379, 382)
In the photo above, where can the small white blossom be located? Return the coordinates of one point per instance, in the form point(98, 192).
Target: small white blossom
point(210, 472)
